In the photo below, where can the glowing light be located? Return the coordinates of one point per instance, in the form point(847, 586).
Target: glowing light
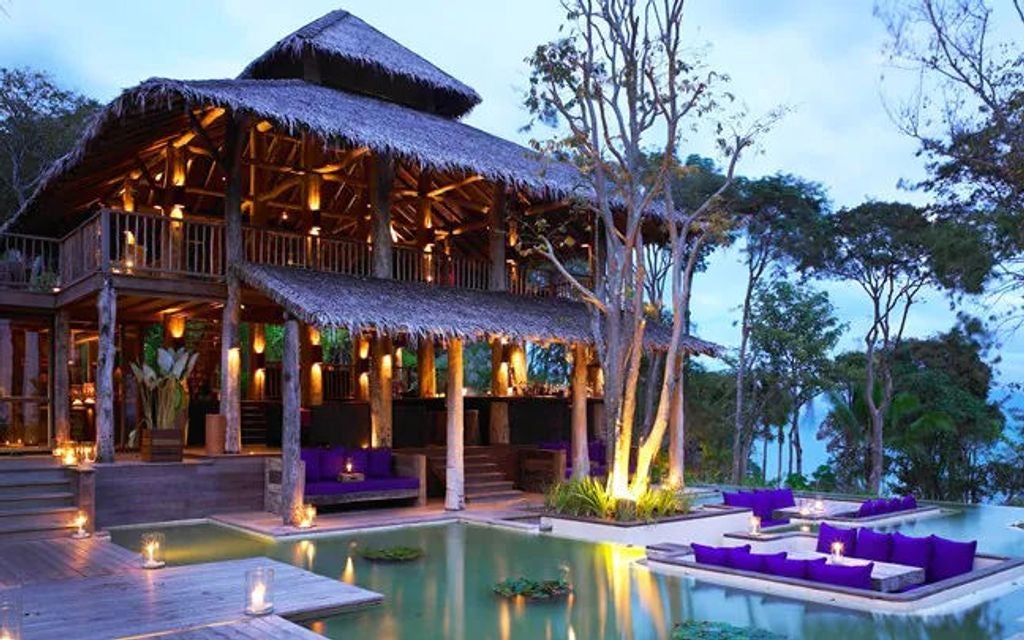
point(152, 550)
point(348, 466)
point(70, 457)
point(819, 506)
point(176, 327)
point(259, 585)
point(837, 551)
point(755, 525)
point(80, 521)
point(305, 517)
point(349, 574)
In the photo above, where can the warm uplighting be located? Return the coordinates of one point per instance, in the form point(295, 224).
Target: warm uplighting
point(11, 614)
point(58, 451)
point(152, 550)
point(176, 327)
point(259, 591)
point(837, 551)
point(755, 525)
point(70, 457)
point(805, 528)
point(80, 531)
point(349, 573)
point(819, 506)
point(306, 516)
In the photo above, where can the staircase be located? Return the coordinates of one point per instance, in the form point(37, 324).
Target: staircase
point(37, 499)
point(254, 424)
point(484, 479)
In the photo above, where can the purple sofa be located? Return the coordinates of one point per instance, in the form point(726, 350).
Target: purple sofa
point(595, 452)
point(883, 506)
point(763, 502)
point(388, 475)
point(939, 557)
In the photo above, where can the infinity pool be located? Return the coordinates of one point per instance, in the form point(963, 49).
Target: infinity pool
point(447, 594)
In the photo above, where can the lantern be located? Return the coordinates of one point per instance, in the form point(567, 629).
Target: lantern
point(152, 550)
point(259, 591)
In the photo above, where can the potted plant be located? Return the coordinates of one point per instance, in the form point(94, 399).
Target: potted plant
point(164, 397)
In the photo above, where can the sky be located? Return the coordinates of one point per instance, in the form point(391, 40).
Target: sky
point(823, 59)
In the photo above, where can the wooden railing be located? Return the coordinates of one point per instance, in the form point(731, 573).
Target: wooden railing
point(164, 246)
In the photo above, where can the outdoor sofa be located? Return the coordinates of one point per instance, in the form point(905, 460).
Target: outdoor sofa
point(387, 475)
point(763, 503)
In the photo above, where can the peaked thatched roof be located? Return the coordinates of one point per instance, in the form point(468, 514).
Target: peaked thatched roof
point(333, 300)
point(340, 117)
point(347, 50)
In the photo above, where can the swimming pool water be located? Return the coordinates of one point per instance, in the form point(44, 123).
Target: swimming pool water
point(447, 593)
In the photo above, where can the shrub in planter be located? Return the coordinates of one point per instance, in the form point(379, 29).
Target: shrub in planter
point(589, 498)
point(533, 589)
point(392, 554)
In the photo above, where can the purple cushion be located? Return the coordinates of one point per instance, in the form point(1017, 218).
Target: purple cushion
point(867, 508)
point(311, 457)
point(895, 504)
point(360, 459)
point(950, 558)
point(783, 498)
point(379, 464)
point(872, 545)
point(828, 534)
point(788, 568)
point(332, 462)
point(908, 503)
point(913, 552)
point(331, 488)
point(858, 577)
point(752, 561)
point(762, 504)
point(743, 499)
point(704, 554)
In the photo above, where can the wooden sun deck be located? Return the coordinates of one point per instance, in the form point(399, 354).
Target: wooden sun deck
point(93, 589)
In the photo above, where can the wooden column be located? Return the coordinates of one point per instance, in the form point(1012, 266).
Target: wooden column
point(360, 355)
point(455, 491)
point(291, 436)
point(426, 373)
point(106, 308)
point(496, 240)
point(230, 353)
point(29, 379)
point(61, 395)
point(257, 347)
point(381, 357)
point(6, 369)
point(497, 426)
point(580, 454)
point(380, 172)
point(305, 364)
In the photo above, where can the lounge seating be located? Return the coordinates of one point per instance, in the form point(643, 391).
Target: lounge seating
point(763, 502)
point(884, 506)
point(939, 557)
point(387, 475)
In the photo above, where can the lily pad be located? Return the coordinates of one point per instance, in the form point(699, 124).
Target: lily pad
point(533, 589)
point(392, 554)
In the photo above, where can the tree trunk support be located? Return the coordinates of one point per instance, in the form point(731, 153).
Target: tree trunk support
point(106, 307)
point(230, 360)
point(291, 462)
point(381, 368)
point(61, 381)
point(455, 494)
point(426, 373)
point(580, 451)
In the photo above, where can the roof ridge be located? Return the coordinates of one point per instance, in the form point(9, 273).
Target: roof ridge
point(322, 24)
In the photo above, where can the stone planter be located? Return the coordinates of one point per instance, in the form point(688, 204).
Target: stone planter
point(216, 432)
point(704, 525)
point(161, 445)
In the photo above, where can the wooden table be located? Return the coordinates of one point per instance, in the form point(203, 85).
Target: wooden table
point(885, 576)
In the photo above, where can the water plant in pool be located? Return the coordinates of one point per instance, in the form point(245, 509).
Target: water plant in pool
point(590, 498)
point(397, 553)
point(704, 630)
point(533, 589)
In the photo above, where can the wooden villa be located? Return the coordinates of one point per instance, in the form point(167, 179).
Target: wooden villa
point(330, 188)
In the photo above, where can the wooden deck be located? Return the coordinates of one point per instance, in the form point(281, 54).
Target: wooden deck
point(263, 628)
point(35, 561)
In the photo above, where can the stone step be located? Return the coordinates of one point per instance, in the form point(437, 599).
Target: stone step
point(487, 486)
point(484, 476)
point(18, 487)
point(494, 496)
point(16, 476)
point(55, 520)
point(36, 501)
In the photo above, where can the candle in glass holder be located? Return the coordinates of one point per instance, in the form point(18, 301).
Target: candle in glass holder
point(80, 521)
point(755, 525)
point(305, 516)
point(819, 506)
point(70, 458)
point(11, 613)
point(153, 550)
point(837, 551)
point(259, 585)
point(348, 466)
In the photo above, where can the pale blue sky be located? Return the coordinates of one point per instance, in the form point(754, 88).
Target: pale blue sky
point(823, 58)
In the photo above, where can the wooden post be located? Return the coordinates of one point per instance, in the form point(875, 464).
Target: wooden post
point(361, 354)
point(518, 368)
point(29, 380)
point(426, 373)
point(305, 364)
point(61, 396)
point(291, 436)
point(455, 492)
point(257, 347)
point(676, 438)
point(580, 454)
point(498, 426)
point(496, 240)
point(106, 308)
point(230, 355)
point(381, 356)
point(380, 172)
point(6, 369)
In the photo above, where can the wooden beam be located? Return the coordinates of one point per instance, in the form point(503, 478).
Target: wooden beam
point(209, 118)
point(545, 207)
point(106, 309)
point(580, 452)
point(291, 437)
point(455, 491)
point(436, 193)
point(211, 146)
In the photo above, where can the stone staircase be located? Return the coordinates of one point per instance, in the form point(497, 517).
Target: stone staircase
point(37, 499)
point(485, 481)
point(254, 424)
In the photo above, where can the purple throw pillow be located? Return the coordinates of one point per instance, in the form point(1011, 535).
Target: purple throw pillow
point(856, 576)
point(739, 499)
point(762, 504)
point(828, 534)
point(752, 561)
point(866, 509)
point(784, 499)
point(710, 555)
point(872, 545)
point(332, 462)
point(360, 459)
point(312, 459)
point(909, 551)
point(733, 552)
point(379, 463)
point(788, 568)
point(908, 503)
point(950, 558)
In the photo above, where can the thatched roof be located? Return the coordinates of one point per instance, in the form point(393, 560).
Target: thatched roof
point(338, 117)
point(353, 55)
point(330, 300)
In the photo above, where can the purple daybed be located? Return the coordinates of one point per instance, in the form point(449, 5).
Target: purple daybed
point(388, 475)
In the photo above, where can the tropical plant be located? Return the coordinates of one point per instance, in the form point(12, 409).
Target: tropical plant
point(532, 589)
point(704, 630)
point(399, 553)
point(590, 498)
point(163, 388)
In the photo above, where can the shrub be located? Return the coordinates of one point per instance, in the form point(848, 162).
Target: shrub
point(589, 498)
point(703, 630)
point(532, 589)
point(392, 554)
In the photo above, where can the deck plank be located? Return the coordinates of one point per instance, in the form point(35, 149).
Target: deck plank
point(32, 561)
point(266, 627)
point(140, 603)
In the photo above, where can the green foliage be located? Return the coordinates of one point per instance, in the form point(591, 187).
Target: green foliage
point(797, 482)
point(704, 630)
point(399, 553)
point(163, 386)
point(532, 589)
point(548, 365)
point(590, 498)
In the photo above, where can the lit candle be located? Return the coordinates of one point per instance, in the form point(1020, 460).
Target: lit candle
point(348, 466)
point(258, 584)
point(80, 521)
point(755, 525)
point(152, 551)
point(837, 551)
point(819, 506)
point(70, 459)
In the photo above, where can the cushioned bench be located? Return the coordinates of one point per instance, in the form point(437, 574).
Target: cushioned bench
point(763, 502)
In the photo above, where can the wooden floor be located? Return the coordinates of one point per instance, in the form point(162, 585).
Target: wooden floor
point(94, 589)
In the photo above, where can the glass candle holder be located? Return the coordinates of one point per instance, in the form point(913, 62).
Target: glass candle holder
point(837, 551)
point(755, 525)
point(81, 519)
point(307, 516)
point(11, 614)
point(259, 591)
point(153, 550)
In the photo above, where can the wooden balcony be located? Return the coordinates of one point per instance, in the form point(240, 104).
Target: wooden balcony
point(157, 246)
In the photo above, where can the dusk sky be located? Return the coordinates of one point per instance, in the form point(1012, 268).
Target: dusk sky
point(823, 59)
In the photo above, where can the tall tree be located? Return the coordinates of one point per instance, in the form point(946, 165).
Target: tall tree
point(619, 85)
point(781, 213)
point(885, 248)
point(39, 122)
point(795, 329)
